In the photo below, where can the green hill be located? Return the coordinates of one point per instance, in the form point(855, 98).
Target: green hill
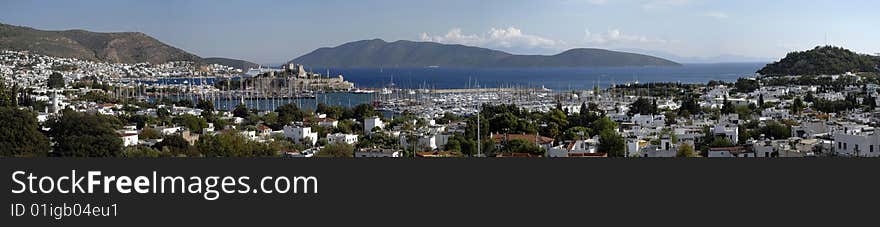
point(116, 47)
point(827, 60)
point(123, 47)
point(378, 53)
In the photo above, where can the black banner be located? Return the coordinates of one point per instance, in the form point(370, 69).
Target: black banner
point(414, 192)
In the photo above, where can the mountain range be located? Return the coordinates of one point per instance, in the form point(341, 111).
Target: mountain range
point(117, 47)
point(136, 47)
point(379, 53)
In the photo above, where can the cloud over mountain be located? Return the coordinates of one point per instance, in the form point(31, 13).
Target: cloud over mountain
point(510, 38)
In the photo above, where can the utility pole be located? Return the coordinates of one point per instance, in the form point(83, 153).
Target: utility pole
point(479, 112)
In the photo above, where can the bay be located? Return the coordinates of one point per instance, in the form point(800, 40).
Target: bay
point(551, 78)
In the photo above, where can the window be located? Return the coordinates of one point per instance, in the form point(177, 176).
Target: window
point(871, 148)
point(844, 146)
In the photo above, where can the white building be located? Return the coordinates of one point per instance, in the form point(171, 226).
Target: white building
point(856, 143)
point(129, 138)
point(208, 130)
point(169, 130)
point(251, 135)
point(730, 152)
point(424, 141)
point(372, 122)
point(328, 122)
point(342, 138)
point(649, 121)
point(731, 132)
point(578, 148)
point(301, 134)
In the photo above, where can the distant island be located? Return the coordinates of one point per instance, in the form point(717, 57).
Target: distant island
point(378, 53)
point(822, 60)
point(116, 47)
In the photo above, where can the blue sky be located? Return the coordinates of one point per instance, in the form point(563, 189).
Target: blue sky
point(267, 31)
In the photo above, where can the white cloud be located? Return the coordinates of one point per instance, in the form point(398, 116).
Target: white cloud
point(663, 4)
point(509, 38)
point(716, 15)
point(454, 36)
point(615, 36)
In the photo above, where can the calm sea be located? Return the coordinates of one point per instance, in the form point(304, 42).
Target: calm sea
point(552, 78)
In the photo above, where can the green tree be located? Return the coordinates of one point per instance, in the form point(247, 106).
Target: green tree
point(84, 135)
point(523, 146)
point(775, 130)
point(141, 121)
point(338, 150)
point(761, 100)
point(7, 96)
point(163, 113)
point(233, 144)
point(174, 144)
point(289, 113)
point(797, 105)
point(241, 111)
point(96, 96)
point(689, 106)
point(870, 102)
point(56, 81)
point(150, 133)
point(728, 107)
point(720, 141)
point(686, 151)
point(643, 106)
point(604, 124)
point(205, 105)
point(612, 143)
point(20, 134)
point(453, 145)
point(577, 133)
point(140, 152)
point(746, 85)
point(363, 110)
point(557, 116)
point(503, 123)
point(191, 122)
point(809, 97)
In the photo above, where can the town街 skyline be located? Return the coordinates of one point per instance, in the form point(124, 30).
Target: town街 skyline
point(277, 31)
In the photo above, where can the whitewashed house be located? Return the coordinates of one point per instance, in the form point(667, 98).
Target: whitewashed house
point(856, 143)
point(731, 132)
point(340, 138)
point(301, 134)
point(372, 122)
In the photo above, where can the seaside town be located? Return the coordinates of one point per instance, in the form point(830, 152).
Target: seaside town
point(63, 107)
